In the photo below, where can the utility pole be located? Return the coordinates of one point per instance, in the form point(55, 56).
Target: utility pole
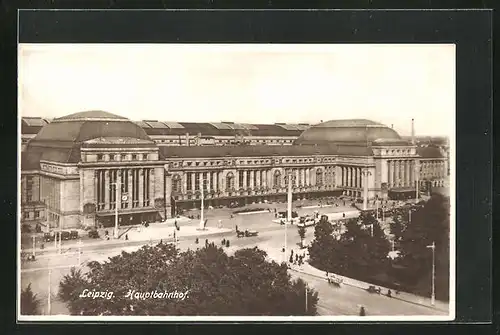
point(34, 245)
point(306, 297)
point(48, 301)
point(365, 173)
point(409, 215)
point(289, 208)
point(79, 252)
point(202, 225)
point(433, 294)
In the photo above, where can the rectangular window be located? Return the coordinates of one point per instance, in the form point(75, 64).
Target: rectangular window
point(240, 178)
point(37, 214)
point(197, 181)
point(189, 181)
point(26, 215)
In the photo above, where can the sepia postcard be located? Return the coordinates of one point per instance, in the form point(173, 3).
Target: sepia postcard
point(217, 182)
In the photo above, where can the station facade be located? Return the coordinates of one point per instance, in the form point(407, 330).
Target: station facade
point(81, 169)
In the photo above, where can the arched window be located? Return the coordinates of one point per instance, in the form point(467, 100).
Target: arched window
point(176, 183)
point(319, 177)
point(229, 181)
point(277, 179)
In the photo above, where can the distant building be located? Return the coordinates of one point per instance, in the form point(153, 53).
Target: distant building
point(77, 169)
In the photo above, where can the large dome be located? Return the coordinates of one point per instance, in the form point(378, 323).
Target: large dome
point(61, 139)
point(347, 131)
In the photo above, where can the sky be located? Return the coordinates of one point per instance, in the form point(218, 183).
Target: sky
point(259, 83)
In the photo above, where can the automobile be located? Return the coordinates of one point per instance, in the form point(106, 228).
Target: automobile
point(48, 237)
point(373, 289)
point(240, 233)
point(93, 233)
point(284, 214)
point(307, 223)
point(74, 234)
point(249, 233)
point(65, 235)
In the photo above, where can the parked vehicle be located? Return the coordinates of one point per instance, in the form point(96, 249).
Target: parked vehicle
point(334, 280)
point(240, 233)
point(49, 237)
point(74, 234)
point(283, 214)
point(249, 233)
point(307, 223)
point(65, 235)
point(373, 289)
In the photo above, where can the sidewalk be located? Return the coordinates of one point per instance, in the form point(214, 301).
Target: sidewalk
point(408, 297)
point(154, 232)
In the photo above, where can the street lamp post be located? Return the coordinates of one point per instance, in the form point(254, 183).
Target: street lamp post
point(290, 178)
point(306, 297)
point(365, 173)
point(202, 207)
point(433, 294)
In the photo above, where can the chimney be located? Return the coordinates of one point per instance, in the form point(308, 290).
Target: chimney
point(412, 131)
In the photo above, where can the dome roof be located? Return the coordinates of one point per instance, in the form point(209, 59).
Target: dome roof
point(61, 140)
point(347, 131)
point(83, 126)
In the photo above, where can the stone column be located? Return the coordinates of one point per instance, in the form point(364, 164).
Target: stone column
point(141, 187)
point(184, 182)
point(129, 172)
point(245, 186)
point(214, 181)
point(360, 177)
point(407, 173)
point(394, 174)
point(119, 180)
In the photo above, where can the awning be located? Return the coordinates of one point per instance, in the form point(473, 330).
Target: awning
point(402, 189)
point(127, 211)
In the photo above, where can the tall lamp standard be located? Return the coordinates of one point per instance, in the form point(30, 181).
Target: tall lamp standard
point(433, 294)
point(289, 178)
point(202, 207)
point(365, 173)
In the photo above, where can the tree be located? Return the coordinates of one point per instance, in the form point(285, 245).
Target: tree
point(207, 282)
point(430, 223)
point(302, 234)
point(321, 249)
point(30, 304)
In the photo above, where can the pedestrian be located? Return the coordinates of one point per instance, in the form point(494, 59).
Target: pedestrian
point(389, 293)
point(197, 241)
point(223, 241)
point(292, 252)
point(291, 259)
point(296, 257)
point(126, 237)
point(206, 242)
point(227, 244)
point(362, 311)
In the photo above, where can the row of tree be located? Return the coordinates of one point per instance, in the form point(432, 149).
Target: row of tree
point(212, 283)
point(362, 251)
